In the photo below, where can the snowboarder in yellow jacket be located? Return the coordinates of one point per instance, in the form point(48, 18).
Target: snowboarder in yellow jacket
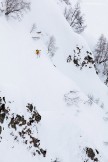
point(38, 52)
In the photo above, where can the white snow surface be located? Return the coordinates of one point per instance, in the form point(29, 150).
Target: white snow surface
point(65, 130)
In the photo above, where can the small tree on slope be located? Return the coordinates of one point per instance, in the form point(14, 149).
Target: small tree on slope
point(101, 50)
point(15, 8)
point(75, 18)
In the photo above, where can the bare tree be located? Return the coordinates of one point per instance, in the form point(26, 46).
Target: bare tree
point(75, 18)
point(90, 100)
point(101, 57)
point(101, 50)
point(52, 46)
point(105, 57)
point(15, 7)
point(72, 98)
point(68, 13)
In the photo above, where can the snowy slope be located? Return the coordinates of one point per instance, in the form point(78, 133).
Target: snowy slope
point(69, 125)
point(66, 48)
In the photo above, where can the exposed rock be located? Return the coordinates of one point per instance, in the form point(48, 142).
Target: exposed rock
point(30, 107)
point(27, 133)
point(43, 152)
point(92, 154)
point(0, 129)
point(78, 61)
point(35, 141)
point(18, 120)
point(69, 59)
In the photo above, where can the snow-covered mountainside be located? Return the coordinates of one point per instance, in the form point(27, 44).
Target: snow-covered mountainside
point(52, 109)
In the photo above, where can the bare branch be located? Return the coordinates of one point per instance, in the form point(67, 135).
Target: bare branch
point(75, 18)
point(15, 7)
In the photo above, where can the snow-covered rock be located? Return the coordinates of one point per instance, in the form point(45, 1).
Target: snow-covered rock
point(73, 125)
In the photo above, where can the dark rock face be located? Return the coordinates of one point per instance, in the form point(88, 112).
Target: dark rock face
point(92, 154)
point(0, 129)
point(88, 60)
point(35, 115)
point(3, 110)
point(69, 59)
point(77, 60)
point(16, 122)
